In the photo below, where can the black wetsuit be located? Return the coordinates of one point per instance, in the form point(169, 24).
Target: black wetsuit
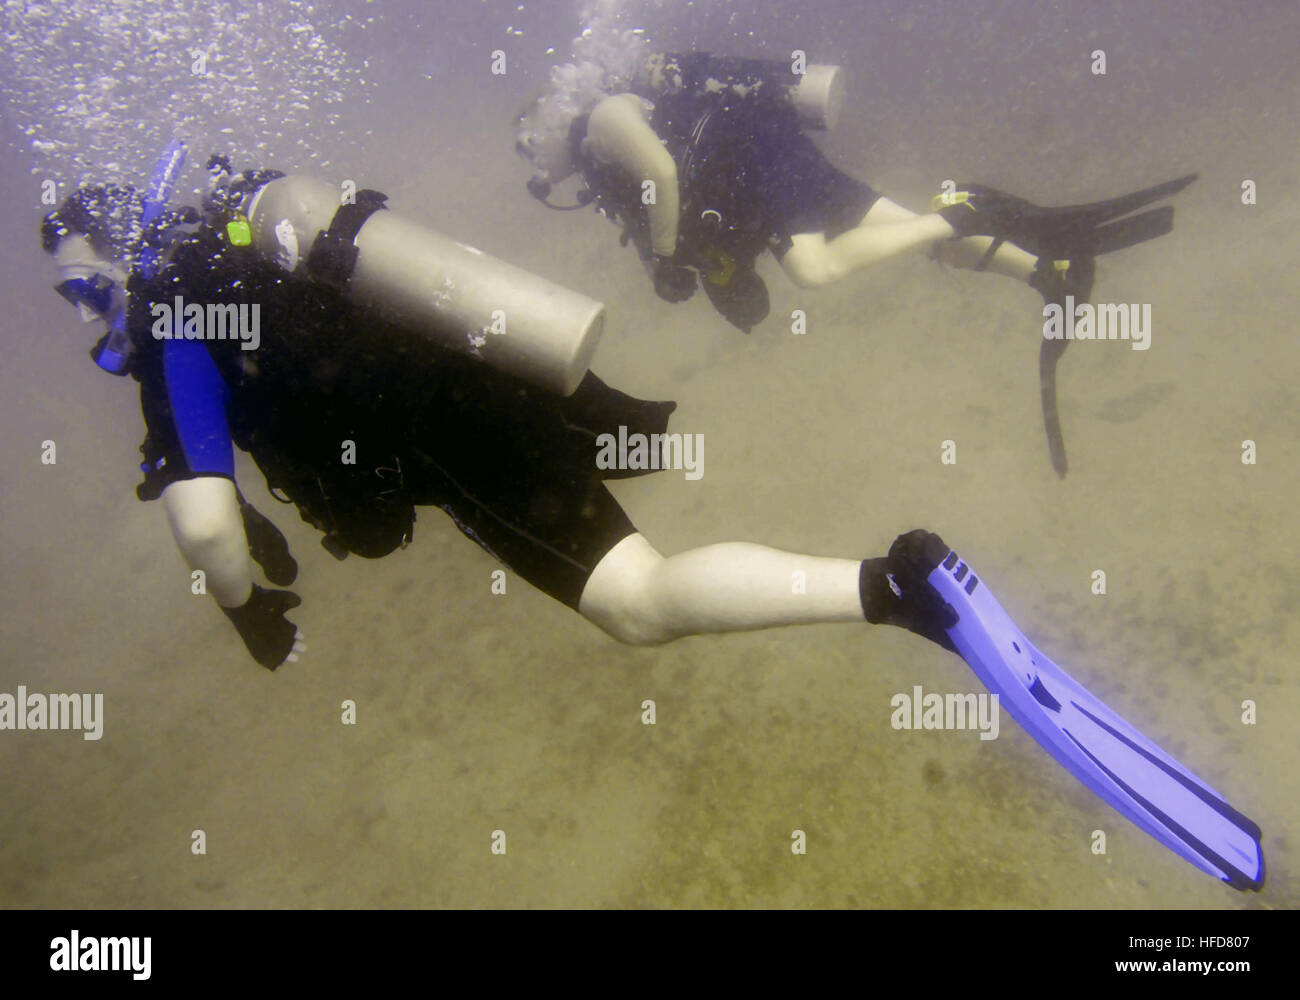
point(749, 178)
point(513, 465)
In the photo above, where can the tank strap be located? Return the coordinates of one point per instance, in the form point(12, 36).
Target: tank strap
point(242, 185)
point(334, 253)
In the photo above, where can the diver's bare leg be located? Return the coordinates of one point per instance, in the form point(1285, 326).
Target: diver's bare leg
point(640, 597)
point(813, 261)
point(885, 231)
point(967, 253)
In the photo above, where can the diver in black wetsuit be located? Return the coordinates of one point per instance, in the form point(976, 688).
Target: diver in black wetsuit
point(719, 144)
point(514, 466)
point(722, 143)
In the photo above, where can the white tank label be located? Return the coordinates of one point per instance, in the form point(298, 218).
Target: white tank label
point(285, 235)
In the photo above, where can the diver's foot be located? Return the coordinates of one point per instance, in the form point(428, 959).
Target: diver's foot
point(976, 210)
point(895, 590)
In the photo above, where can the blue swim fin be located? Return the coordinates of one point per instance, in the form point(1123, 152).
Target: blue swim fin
point(1093, 743)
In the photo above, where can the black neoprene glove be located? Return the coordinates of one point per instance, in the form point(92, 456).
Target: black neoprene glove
point(673, 282)
point(267, 545)
point(914, 605)
point(260, 622)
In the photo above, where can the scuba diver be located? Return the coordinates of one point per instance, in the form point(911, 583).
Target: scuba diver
point(361, 394)
point(705, 163)
point(510, 456)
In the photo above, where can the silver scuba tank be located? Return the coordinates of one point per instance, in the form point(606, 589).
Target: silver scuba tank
point(466, 300)
point(816, 90)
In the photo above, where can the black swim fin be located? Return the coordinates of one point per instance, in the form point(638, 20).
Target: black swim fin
point(1048, 355)
point(1066, 239)
point(1055, 282)
point(1062, 232)
point(1131, 231)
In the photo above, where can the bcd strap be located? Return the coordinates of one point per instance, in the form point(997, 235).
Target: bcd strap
point(994, 247)
point(334, 253)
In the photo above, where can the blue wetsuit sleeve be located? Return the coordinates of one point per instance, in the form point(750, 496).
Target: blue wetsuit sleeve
point(198, 399)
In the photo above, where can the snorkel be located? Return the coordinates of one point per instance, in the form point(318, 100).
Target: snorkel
point(116, 349)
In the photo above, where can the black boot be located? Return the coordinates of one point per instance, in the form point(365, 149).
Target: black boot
point(895, 590)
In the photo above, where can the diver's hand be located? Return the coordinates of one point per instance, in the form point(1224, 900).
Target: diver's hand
point(267, 545)
point(673, 283)
point(270, 637)
point(895, 590)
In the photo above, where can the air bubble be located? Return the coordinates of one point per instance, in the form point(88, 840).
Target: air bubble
point(103, 85)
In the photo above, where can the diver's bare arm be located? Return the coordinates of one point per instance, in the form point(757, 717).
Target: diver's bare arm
point(206, 523)
point(209, 529)
point(618, 133)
